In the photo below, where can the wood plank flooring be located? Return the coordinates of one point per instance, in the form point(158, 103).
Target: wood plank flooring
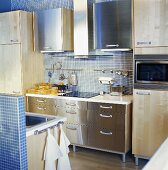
point(88, 159)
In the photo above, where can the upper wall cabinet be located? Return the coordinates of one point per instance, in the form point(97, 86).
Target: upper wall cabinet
point(54, 30)
point(112, 25)
point(151, 23)
point(9, 28)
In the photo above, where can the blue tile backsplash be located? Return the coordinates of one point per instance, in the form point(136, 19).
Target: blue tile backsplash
point(13, 153)
point(87, 77)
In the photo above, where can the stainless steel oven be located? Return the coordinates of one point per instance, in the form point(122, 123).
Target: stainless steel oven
point(151, 71)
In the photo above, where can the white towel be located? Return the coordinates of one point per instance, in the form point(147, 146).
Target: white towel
point(63, 162)
point(51, 153)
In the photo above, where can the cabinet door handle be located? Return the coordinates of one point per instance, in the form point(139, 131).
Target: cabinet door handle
point(73, 113)
point(71, 128)
point(105, 133)
point(14, 40)
point(71, 104)
point(143, 93)
point(41, 101)
point(106, 107)
point(101, 115)
point(41, 108)
point(16, 92)
point(47, 48)
point(112, 45)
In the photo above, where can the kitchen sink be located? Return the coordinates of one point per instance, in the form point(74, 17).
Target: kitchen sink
point(32, 120)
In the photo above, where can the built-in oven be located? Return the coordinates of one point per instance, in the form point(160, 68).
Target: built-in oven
point(151, 71)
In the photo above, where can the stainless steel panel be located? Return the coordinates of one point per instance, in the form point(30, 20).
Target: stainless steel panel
point(101, 138)
point(74, 116)
point(83, 28)
point(66, 103)
point(100, 106)
point(108, 139)
point(112, 25)
point(104, 115)
point(41, 105)
point(77, 134)
point(55, 30)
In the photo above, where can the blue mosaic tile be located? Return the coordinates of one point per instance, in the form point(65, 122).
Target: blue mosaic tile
point(13, 152)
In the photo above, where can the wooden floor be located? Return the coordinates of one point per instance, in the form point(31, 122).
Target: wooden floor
point(87, 159)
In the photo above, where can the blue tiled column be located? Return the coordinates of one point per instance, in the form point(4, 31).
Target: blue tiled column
point(13, 152)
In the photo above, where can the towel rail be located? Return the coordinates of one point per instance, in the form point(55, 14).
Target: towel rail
point(37, 132)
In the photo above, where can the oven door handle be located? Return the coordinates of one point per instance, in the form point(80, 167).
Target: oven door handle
point(143, 93)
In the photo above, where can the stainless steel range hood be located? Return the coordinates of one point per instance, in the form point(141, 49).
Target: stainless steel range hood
point(54, 30)
point(83, 27)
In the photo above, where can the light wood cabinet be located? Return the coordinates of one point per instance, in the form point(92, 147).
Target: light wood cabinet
point(10, 28)
point(150, 117)
point(20, 66)
point(151, 23)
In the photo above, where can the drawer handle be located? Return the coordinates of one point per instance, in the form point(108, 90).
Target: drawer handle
point(71, 128)
point(41, 101)
point(71, 104)
point(143, 93)
point(70, 112)
point(105, 133)
point(104, 107)
point(101, 115)
point(112, 45)
point(41, 108)
point(16, 92)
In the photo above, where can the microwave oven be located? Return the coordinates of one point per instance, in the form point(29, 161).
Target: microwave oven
point(151, 71)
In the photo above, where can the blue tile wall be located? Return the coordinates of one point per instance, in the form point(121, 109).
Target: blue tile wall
point(13, 153)
point(87, 78)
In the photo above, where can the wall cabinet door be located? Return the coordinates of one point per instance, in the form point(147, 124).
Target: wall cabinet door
point(151, 23)
point(150, 117)
point(10, 69)
point(9, 28)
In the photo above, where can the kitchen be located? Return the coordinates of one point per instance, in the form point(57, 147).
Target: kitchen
point(91, 72)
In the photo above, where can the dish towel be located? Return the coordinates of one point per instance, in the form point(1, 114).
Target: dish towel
point(52, 152)
point(63, 162)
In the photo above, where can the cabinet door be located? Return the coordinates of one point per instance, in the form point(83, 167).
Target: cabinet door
point(150, 117)
point(151, 23)
point(9, 28)
point(10, 69)
point(112, 25)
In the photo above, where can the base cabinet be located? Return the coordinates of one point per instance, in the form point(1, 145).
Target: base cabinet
point(150, 117)
point(103, 126)
point(109, 126)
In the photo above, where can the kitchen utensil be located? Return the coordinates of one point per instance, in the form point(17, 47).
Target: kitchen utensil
point(73, 79)
point(106, 80)
point(62, 76)
point(117, 90)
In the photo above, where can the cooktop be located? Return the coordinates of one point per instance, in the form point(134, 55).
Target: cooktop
point(79, 94)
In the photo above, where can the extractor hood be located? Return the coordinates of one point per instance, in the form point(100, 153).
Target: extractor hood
point(112, 25)
point(54, 30)
point(83, 27)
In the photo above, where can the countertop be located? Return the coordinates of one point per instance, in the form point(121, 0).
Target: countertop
point(42, 126)
point(159, 159)
point(106, 98)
